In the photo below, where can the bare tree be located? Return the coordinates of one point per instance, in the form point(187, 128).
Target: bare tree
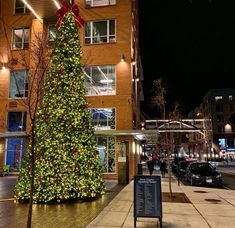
point(159, 96)
point(36, 62)
point(167, 141)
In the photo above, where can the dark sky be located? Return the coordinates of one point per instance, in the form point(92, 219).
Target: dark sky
point(190, 44)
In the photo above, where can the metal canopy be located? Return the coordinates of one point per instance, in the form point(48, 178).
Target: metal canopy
point(138, 134)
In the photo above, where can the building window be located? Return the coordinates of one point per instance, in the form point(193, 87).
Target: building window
point(103, 118)
point(97, 32)
point(100, 80)
point(15, 152)
point(51, 32)
point(231, 109)
point(16, 121)
point(230, 97)
point(220, 118)
point(218, 98)
point(19, 84)
point(219, 108)
point(93, 3)
point(20, 7)
point(221, 129)
point(106, 149)
point(21, 38)
point(222, 143)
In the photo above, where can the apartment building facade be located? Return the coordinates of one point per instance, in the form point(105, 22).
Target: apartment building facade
point(111, 60)
point(218, 106)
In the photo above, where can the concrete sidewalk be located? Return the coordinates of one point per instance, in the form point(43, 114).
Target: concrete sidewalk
point(207, 207)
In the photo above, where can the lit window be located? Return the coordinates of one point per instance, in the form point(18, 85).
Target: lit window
point(15, 152)
point(97, 32)
point(20, 7)
point(16, 121)
point(92, 3)
point(230, 97)
point(51, 33)
point(218, 98)
point(18, 84)
point(106, 149)
point(21, 38)
point(222, 143)
point(103, 118)
point(100, 80)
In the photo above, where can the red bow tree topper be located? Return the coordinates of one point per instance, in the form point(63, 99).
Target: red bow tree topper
point(65, 8)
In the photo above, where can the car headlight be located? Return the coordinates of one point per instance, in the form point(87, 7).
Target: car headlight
point(218, 176)
point(195, 176)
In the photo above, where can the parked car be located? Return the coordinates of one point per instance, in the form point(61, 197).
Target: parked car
point(183, 165)
point(176, 162)
point(203, 173)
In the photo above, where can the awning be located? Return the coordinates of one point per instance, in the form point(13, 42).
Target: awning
point(138, 134)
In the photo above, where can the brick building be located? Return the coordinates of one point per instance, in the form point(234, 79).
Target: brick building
point(112, 69)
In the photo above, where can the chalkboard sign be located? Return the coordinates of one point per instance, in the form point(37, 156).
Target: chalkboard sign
point(147, 197)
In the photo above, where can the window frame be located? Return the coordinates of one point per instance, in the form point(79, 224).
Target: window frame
point(107, 152)
point(25, 9)
point(48, 33)
point(115, 82)
point(91, 37)
point(91, 5)
point(22, 153)
point(25, 90)
point(23, 116)
point(23, 38)
point(97, 128)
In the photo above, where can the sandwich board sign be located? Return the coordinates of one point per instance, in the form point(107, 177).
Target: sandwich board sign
point(147, 197)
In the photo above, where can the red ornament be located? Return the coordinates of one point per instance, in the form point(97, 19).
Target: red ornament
point(75, 149)
point(65, 9)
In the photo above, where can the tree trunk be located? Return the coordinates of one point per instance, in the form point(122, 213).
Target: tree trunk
point(32, 138)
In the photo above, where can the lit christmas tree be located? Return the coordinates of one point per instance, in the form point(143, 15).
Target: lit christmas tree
point(66, 160)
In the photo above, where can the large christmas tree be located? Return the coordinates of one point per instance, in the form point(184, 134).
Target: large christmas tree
point(66, 161)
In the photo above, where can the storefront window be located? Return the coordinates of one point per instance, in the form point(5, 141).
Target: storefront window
point(106, 149)
point(15, 152)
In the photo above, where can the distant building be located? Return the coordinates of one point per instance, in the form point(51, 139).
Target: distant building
point(218, 105)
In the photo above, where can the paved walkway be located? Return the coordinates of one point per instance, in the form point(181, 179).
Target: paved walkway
point(207, 208)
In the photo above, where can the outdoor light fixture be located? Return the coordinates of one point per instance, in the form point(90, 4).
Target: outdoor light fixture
point(4, 66)
point(122, 58)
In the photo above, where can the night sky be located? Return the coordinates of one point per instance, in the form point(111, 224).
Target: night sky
point(187, 43)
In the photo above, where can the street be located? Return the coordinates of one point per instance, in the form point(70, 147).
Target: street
point(228, 177)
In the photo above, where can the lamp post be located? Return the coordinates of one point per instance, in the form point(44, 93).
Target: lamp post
point(228, 130)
